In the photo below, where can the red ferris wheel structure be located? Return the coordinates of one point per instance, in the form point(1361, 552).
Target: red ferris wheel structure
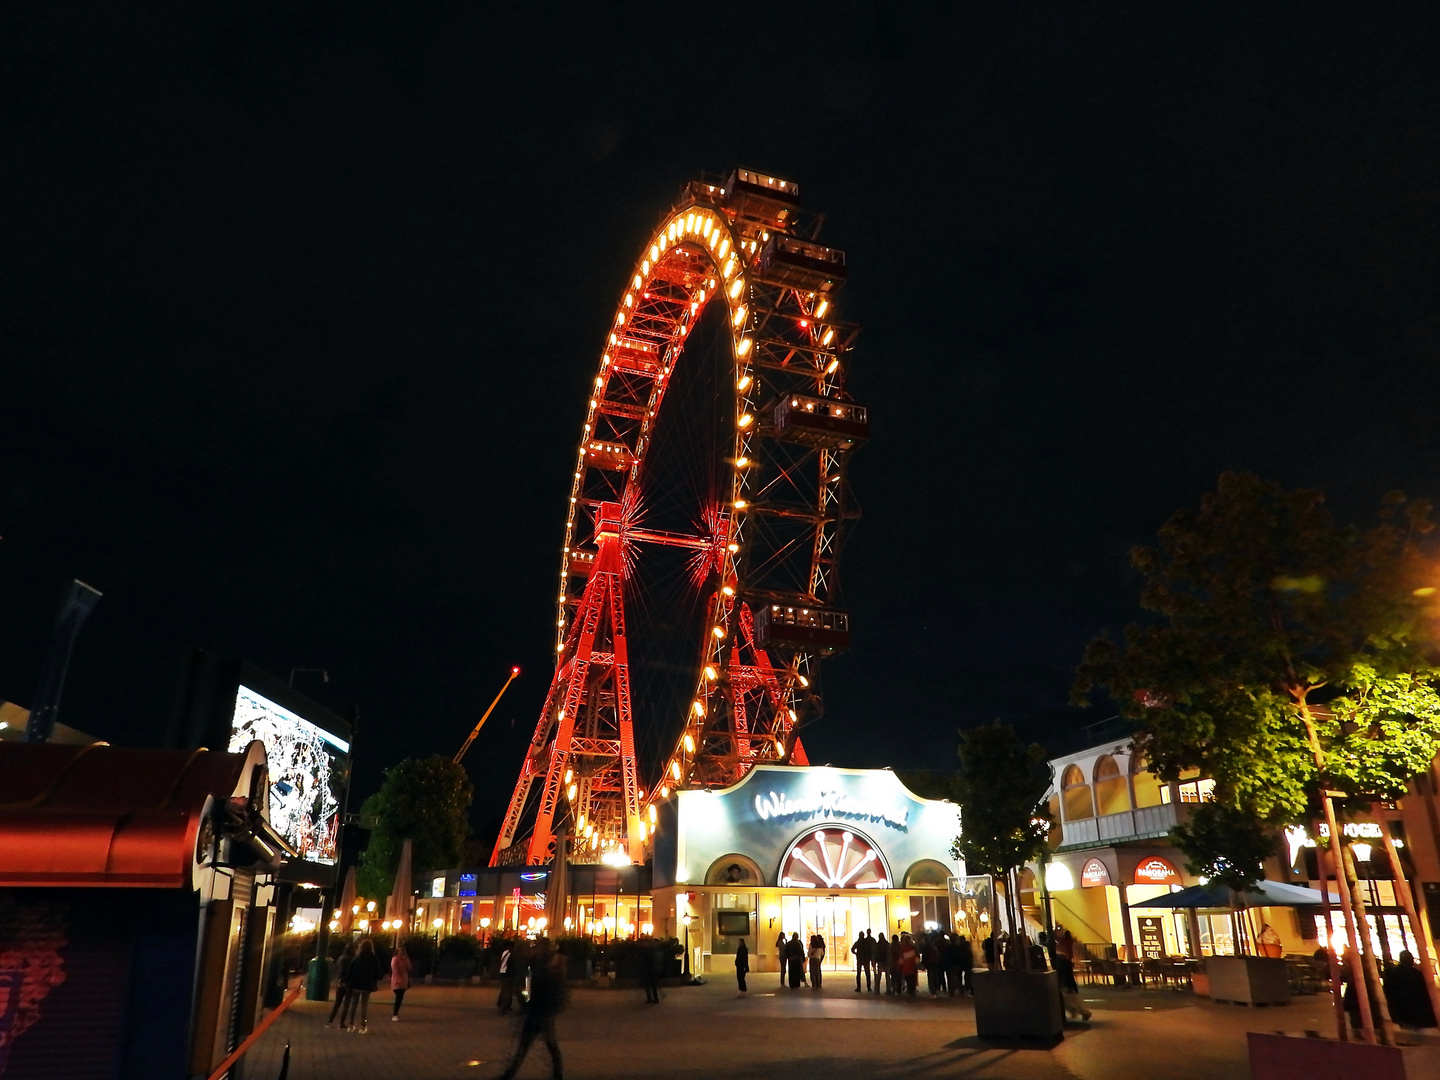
point(705, 521)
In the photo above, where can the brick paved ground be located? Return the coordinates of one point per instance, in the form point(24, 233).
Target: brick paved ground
point(708, 1031)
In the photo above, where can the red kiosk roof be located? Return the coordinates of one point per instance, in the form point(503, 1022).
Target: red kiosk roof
point(107, 816)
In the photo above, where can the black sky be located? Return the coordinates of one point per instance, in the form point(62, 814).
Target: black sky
point(300, 302)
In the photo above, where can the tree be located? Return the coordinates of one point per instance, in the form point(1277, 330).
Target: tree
point(1291, 656)
point(1001, 789)
point(425, 801)
point(1225, 845)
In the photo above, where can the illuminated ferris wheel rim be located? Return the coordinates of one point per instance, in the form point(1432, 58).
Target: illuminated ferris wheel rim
point(704, 231)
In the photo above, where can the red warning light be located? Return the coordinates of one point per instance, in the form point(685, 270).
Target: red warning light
point(514, 671)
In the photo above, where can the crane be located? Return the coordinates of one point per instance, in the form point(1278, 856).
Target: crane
point(514, 671)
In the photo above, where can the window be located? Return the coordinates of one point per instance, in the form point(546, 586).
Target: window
point(1075, 795)
point(1112, 789)
point(1149, 790)
point(1197, 791)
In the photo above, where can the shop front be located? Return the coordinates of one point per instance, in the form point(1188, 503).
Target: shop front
point(800, 850)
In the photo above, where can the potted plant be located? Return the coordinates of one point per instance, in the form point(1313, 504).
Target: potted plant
point(1293, 661)
point(1001, 789)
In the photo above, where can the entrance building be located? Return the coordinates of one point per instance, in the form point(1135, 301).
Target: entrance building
point(800, 850)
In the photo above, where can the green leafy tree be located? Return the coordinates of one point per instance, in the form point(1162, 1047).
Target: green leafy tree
point(1225, 844)
point(1290, 654)
point(1001, 789)
point(424, 800)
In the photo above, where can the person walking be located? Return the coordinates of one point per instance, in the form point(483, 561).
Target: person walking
point(650, 971)
point(861, 950)
point(364, 978)
point(742, 964)
point(794, 959)
point(1069, 991)
point(342, 985)
point(512, 969)
point(817, 957)
point(1404, 986)
point(547, 999)
point(967, 963)
point(400, 968)
point(950, 961)
point(780, 943)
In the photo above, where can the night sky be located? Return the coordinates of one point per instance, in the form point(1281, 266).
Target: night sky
point(301, 302)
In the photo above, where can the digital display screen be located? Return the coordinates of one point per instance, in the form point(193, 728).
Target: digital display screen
point(307, 773)
point(732, 923)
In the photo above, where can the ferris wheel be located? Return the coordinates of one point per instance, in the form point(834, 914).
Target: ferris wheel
point(699, 580)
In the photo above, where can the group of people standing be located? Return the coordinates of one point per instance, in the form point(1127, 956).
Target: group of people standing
point(884, 965)
point(357, 976)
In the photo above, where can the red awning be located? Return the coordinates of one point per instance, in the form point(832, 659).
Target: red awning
point(107, 816)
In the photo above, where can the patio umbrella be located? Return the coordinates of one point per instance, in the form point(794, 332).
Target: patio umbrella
point(347, 900)
point(557, 888)
point(397, 905)
point(1262, 894)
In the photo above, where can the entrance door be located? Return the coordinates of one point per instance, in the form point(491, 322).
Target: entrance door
point(835, 918)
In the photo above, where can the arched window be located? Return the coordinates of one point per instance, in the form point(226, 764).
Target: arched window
point(1149, 789)
point(1056, 835)
point(833, 857)
point(928, 874)
point(1112, 788)
point(1075, 795)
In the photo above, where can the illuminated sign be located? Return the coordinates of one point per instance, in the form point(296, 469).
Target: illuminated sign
point(827, 804)
point(1296, 836)
point(1094, 873)
point(1156, 871)
point(307, 772)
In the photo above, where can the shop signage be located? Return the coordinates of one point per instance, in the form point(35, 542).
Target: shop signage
point(1297, 837)
point(827, 804)
point(1152, 937)
point(1094, 873)
point(1156, 871)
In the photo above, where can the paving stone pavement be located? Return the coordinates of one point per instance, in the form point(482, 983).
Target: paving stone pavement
point(456, 1032)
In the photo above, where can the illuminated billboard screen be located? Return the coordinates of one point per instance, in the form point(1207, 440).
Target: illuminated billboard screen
point(308, 767)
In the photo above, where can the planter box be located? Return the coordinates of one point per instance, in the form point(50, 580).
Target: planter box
point(1018, 1005)
point(1248, 980)
point(1293, 1057)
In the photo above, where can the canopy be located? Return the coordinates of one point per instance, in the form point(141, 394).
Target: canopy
point(1262, 894)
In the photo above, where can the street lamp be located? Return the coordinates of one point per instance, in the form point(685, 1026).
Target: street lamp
point(686, 920)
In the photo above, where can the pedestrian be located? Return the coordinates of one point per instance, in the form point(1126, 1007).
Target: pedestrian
point(1405, 991)
point(967, 963)
point(742, 964)
point(897, 982)
point(400, 967)
point(512, 970)
point(342, 984)
point(861, 949)
point(950, 961)
point(987, 947)
point(880, 958)
point(795, 959)
point(817, 957)
point(547, 999)
point(650, 971)
point(908, 965)
point(780, 943)
point(1069, 991)
point(873, 984)
point(364, 978)
point(934, 970)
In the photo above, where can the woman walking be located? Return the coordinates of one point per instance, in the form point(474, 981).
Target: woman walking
point(342, 985)
point(364, 977)
point(399, 979)
point(742, 964)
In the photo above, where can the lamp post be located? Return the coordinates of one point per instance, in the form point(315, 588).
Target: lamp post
point(686, 920)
